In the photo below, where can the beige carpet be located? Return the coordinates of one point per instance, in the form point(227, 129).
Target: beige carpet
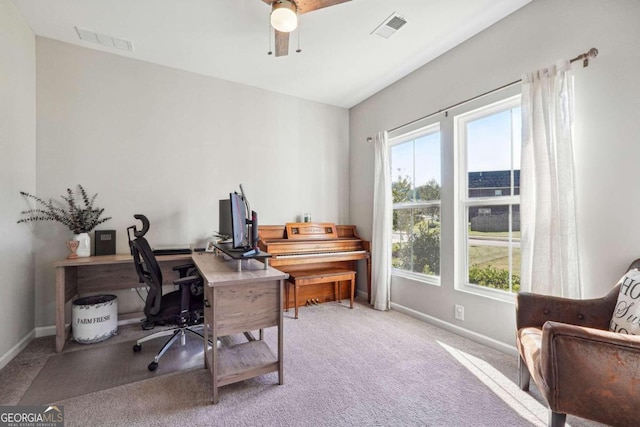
point(88, 370)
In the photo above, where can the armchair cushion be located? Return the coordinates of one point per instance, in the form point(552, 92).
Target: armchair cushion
point(529, 345)
point(626, 316)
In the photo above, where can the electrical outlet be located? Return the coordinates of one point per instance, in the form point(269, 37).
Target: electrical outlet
point(459, 312)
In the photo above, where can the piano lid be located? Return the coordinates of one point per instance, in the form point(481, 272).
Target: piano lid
point(309, 237)
point(279, 233)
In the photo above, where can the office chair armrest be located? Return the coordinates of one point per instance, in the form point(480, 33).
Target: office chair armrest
point(186, 281)
point(183, 268)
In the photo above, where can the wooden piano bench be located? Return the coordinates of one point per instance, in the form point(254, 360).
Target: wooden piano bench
point(313, 277)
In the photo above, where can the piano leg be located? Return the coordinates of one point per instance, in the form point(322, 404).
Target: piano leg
point(295, 298)
point(353, 291)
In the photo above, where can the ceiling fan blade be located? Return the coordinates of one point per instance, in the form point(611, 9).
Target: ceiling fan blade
point(282, 43)
point(305, 6)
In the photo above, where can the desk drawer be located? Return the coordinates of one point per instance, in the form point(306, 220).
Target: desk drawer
point(246, 307)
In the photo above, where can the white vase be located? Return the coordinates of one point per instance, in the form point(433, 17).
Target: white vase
point(84, 244)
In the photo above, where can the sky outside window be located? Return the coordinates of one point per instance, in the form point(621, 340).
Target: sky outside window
point(422, 167)
point(489, 142)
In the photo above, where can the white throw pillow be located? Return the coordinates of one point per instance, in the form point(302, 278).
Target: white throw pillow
point(626, 316)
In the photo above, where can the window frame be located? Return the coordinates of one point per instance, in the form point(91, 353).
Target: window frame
point(416, 131)
point(497, 103)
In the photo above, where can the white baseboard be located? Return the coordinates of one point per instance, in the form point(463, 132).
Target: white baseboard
point(13, 352)
point(45, 331)
point(474, 336)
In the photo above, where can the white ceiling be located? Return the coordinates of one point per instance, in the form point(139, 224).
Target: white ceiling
point(341, 62)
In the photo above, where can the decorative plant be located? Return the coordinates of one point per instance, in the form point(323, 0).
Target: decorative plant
point(79, 219)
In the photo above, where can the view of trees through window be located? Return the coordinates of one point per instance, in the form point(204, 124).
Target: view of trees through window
point(415, 187)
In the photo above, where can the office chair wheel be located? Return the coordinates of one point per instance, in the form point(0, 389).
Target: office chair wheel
point(137, 348)
point(153, 366)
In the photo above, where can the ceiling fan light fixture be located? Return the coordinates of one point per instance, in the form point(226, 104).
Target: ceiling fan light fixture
point(283, 16)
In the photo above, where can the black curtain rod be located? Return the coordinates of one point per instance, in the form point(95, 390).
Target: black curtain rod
point(585, 57)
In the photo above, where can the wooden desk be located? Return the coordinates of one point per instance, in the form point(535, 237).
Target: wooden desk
point(237, 302)
point(75, 277)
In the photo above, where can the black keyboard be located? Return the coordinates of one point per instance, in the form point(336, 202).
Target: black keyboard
point(171, 251)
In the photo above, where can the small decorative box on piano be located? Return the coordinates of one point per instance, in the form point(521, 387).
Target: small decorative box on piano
point(311, 230)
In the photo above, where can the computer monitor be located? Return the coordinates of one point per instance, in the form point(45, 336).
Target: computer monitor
point(224, 219)
point(238, 221)
point(242, 229)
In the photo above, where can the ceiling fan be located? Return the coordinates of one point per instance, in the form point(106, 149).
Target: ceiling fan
point(284, 18)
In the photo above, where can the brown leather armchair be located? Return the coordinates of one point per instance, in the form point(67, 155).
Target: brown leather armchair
point(578, 365)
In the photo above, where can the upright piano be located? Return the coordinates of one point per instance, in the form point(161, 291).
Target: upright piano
point(301, 246)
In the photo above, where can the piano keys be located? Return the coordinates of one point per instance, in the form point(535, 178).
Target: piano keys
point(313, 246)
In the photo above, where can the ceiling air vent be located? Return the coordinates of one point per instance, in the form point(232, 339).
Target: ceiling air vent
point(390, 25)
point(104, 40)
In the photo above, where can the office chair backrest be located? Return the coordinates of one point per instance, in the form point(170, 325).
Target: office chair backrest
point(149, 272)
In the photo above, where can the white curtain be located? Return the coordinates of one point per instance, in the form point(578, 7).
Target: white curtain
point(549, 243)
point(382, 221)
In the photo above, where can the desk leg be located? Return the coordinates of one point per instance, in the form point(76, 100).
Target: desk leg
point(207, 329)
point(60, 320)
point(286, 296)
point(66, 289)
point(214, 339)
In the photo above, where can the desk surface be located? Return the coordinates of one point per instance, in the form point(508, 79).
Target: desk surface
point(218, 272)
point(113, 259)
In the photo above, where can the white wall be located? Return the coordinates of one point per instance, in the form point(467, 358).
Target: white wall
point(606, 151)
point(17, 172)
point(169, 144)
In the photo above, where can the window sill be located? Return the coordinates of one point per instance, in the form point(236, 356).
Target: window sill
point(485, 292)
point(417, 277)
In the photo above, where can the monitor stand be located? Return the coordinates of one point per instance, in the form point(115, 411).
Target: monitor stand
point(240, 254)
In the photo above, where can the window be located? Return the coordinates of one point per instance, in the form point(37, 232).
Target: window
point(488, 229)
point(416, 181)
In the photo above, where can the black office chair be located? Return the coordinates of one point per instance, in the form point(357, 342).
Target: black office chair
point(182, 308)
